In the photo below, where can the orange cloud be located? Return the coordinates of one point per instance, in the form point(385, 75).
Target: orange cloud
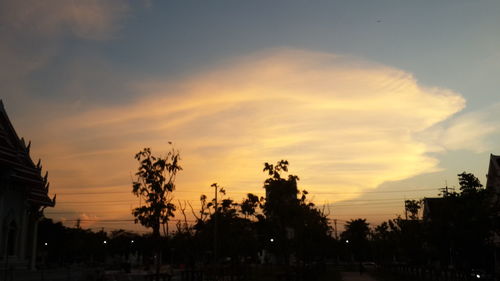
point(344, 124)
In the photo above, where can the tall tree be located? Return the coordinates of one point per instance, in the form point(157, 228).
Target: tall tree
point(249, 205)
point(219, 228)
point(356, 237)
point(155, 183)
point(281, 193)
point(469, 183)
point(281, 208)
point(412, 207)
point(296, 226)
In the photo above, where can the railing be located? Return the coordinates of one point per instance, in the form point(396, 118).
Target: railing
point(420, 273)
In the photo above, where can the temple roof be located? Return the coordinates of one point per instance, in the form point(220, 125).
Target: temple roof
point(493, 177)
point(15, 157)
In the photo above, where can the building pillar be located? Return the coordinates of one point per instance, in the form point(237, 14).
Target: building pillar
point(2, 227)
point(23, 235)
point(35, 244)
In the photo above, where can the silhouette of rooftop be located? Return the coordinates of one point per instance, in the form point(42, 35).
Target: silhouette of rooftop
point(15, 158)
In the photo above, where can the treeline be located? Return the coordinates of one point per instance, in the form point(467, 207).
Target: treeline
point(455, 231)
point(62, 245)
point(283, 227)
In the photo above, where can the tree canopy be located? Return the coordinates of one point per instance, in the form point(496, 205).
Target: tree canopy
point(155, 183)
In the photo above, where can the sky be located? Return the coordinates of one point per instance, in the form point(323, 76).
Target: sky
point(371, 102)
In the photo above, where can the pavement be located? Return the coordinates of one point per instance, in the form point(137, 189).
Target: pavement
point(355, 276)
point(44, 275)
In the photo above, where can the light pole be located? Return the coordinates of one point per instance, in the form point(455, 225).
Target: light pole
point(215, 223)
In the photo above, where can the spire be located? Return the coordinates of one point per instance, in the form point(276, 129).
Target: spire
point(45, 177)
point(21, 163)
point(28, 147)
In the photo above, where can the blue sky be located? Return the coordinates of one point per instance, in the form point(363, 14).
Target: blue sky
point(360, 96)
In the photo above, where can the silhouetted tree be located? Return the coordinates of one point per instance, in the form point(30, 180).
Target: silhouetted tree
point(469, 183)
point(295, 225)
point(460, 227)
point(236, 236)
point(65, 245)
point(313, 231)
point(155, 183)
point(281, 207)
point(355, 236)
point(412, 207)
point(384, 241)
point(399, 239)
point(249, 205)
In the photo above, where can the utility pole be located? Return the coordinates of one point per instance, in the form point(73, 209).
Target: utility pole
point(445, 189)
point(336, 233)
point(406, 210)
point(215, 223)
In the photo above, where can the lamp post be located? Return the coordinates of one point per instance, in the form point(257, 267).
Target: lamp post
point(215, 186)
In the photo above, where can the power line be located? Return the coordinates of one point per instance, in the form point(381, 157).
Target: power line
point(243, 192)
point(371, 192)
point(117, 220)
point(388, 203)
point(130, 202)
point(98, 220)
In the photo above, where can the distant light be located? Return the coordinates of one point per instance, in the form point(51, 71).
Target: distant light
point(347, 241)
point(132, 242)
point(272, 239)
point(105, 242)
point(478, 276)
point(46, 244)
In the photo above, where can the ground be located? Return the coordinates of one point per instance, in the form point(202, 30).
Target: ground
point(355, 276)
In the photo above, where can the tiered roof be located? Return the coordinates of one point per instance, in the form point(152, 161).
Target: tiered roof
point(493, 177)
point(15, 157)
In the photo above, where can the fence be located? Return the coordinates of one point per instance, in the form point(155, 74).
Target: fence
point(420, 273)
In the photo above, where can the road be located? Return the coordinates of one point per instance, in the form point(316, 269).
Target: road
point(355, 276)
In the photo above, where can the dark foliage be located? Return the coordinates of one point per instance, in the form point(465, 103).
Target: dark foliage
point(155, 182)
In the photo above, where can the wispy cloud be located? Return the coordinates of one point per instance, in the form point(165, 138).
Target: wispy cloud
point(89, 19)
point(32, 31)
point(344, 124)
point(469, 131)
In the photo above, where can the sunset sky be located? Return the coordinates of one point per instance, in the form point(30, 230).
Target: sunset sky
point(371, 102)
